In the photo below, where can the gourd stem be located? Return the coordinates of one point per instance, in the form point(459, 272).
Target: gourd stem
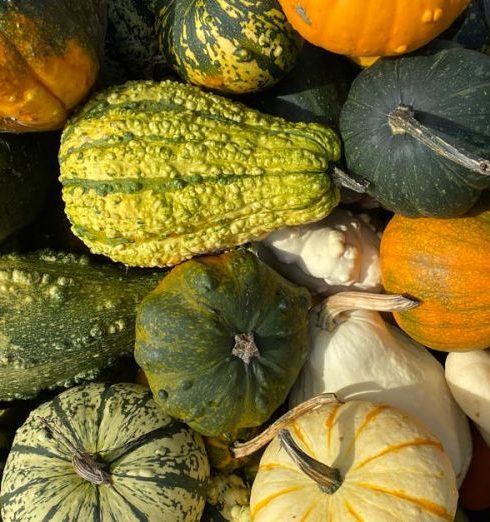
point(243, 449)
point(341, 302)
point(343, 179)
point(327, 478)
point(402, 120)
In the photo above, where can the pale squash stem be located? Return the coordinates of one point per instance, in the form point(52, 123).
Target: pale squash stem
point(335, 304)
point(402, 121)
point(327, 478)
point(343, 179)
point(242, 449)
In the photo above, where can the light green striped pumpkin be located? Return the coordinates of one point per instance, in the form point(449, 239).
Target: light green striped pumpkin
point(148, 466)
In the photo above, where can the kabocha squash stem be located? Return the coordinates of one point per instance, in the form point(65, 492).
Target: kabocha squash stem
point(243, 449)
point(335, 304)
point(328, 478)
point(402, 120)
point(342, 179)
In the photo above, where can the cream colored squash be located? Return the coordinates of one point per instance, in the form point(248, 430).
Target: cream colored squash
point(351, 462)
point(468, 376)
point(363, 357)
point(336, 253)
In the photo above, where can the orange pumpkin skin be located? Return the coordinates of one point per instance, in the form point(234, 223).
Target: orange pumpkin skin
point(48, 61)
point(371, 27)
point(445, 264)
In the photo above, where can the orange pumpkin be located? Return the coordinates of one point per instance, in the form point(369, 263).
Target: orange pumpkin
point(445, 264)
point(371, 27)
point(48, 60)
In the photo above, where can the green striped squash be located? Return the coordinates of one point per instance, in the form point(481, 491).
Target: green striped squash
point(234, 46)
point(156, 173)
point(104, 452)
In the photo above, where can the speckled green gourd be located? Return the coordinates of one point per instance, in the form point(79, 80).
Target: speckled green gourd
point(104, 452)
point(63, 319)
point(156, 173)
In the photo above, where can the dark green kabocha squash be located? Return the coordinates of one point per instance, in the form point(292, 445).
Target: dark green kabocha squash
point(63, 318)
point(221, 341)
point(232, 46)
point(418, 129)
point(28, 169)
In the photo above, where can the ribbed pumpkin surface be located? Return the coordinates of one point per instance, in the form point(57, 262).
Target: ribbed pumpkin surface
point(235, 46)
point(158, 466)
point(155, 173)
point(391, 467)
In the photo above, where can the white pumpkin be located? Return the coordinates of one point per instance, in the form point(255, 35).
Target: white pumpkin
point(468, 377)
point(365, 358)
point(337, 253)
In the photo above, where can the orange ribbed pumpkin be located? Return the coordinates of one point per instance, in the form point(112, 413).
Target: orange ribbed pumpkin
point(445, 264)
point(371, 27)
point(49, 59)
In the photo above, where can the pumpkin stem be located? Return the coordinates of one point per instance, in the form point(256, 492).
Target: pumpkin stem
point(327, 478)
point(243, 449)
point(245, 347)
point(336, 304)
point(342, 179)
point(402, 120)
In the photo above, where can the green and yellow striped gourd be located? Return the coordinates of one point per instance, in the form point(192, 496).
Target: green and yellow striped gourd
point(156, 173)
point(234, 46)
point(108, 453)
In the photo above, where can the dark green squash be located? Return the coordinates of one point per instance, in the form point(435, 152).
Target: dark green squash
point(418, 129)
point(472, 28)
point(314, 91)
point(63, 318)
point(222, 340)
point(231, 46)
point(28, 167)
point(104, 452)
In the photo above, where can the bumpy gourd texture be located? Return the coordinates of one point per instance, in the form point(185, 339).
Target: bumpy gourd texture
point(155, 173)
point(234, 46)
point(63, 319)
point(158, 466)
point(186, 338)
point(49, 59)
point(392, 468)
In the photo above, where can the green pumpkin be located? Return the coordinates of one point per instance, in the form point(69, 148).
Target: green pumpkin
point(155, 173)
point(314, 91)
point(232, 46)
point(27, 171)
point(104, 452)
point(221, 341)
point(64, 318)
point(392, 123)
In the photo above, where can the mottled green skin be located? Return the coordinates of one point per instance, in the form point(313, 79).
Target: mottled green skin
point(185, 336)
point(27, 170)
point(234, 46)
point(63, 319)
point(155, 173)
point(157, 465)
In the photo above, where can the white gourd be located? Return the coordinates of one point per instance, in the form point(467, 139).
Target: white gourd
point(468, 377)
point(365, 358)
point(336, 253)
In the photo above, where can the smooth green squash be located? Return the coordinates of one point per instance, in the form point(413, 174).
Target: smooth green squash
point(104, 452)
point(63, 318)
point(418, 129)
point(231, 46)
point(221, 341)
point(154, 173)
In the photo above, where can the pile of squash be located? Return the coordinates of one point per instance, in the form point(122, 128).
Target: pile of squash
point(244, 260)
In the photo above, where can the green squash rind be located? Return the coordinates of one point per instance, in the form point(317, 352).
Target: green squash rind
point(158, 466)
point(63, 319)
point(232, 46)
point(156, 173)
point(185, 335)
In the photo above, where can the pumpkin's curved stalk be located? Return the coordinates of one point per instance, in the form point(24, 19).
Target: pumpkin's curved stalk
point(402, 120)
point(341, 302)
point(243, 449)
point(327, 478)
point(342, 179)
